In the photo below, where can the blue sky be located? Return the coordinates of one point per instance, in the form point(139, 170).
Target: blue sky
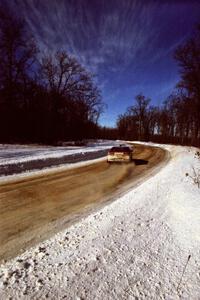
point(128, 44)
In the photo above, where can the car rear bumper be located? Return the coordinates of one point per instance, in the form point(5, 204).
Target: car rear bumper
point(118, 159)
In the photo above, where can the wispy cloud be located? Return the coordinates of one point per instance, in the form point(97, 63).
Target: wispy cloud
point(125, 42)
point(106, 34)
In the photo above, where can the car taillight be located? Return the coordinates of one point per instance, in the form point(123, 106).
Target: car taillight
point(111, 153)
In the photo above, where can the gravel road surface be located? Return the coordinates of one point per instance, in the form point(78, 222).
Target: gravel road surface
point(33, 209)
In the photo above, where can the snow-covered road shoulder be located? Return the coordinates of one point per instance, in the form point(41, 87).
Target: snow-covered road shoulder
point(145, 245)
point(26, 159)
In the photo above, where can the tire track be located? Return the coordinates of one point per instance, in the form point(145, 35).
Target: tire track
point(33, 209)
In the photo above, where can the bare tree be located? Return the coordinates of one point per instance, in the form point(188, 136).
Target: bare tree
point(188, 58)
point(47, 101)
point(140, 110)
point(138, 121)
point(17, 55)
point(75, 98)
point(66, 77)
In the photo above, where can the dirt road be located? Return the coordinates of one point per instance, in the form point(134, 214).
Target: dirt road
point(33, 209)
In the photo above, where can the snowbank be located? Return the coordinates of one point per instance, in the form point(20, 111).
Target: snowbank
point(10, 154)
point(16, 159)
point(145, 245)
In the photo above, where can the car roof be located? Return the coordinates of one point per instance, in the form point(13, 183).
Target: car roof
point(120, 148)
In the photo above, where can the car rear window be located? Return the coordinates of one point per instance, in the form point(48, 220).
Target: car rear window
point(120, 149)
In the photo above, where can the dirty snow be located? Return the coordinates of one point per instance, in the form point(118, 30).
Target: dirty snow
point(10, 154)
point(145, 245)
point(16, 159)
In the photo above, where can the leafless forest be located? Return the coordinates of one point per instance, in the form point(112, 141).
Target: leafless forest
point(49, 98)
point(178, 119)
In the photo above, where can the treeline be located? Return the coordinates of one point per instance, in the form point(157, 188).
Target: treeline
point(178, 119)
point(43, 98)
point(51, 98)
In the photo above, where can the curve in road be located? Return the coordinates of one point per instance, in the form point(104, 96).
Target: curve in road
point(33, 209)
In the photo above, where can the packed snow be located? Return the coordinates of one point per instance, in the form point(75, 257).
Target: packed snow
point(19, 159)
point(144, 245)
point(10, 154)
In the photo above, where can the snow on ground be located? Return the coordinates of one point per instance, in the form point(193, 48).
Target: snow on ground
point(49, 170)
point(10, 154)
point(145, 245)
point(26, 159)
